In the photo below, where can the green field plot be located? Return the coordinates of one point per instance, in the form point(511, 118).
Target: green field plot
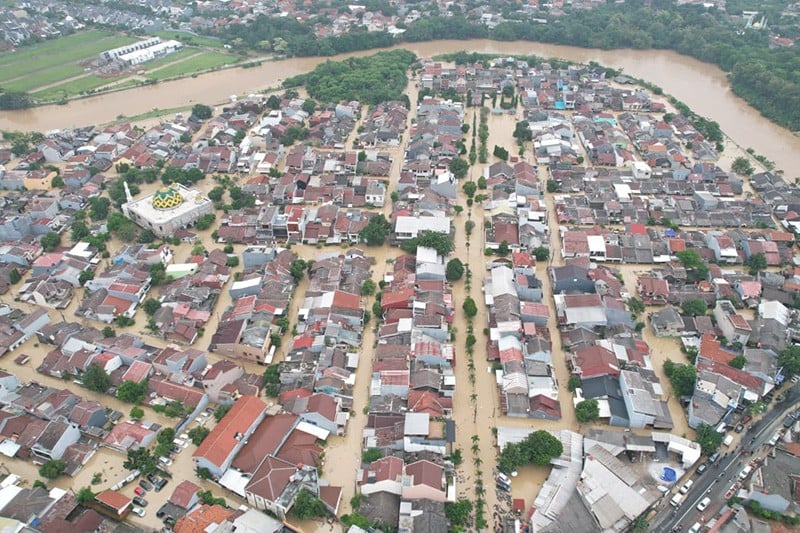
point(48, 62)
point(204, 61)
point(71, 88)
point(168, 59)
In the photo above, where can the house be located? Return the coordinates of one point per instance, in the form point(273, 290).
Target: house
point(734, 326)
point(130, 435)
point(203, 518)
point(652, 290)
point(383, 475)
point(274, 485)
point(585, 310)
point(54, 440)
point(115, 502)
point(667, 322)
point(571, 279)
point(184, 495)
point(219, 448)
point(322, 410)
point(594, 360)
point(424, 480)
point(220, 374)
point(409, 227)
point(643, 406)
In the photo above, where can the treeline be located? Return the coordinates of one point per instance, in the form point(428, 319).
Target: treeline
point(768, 79)
point(374, 79)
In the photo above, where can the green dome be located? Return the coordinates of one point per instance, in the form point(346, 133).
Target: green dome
point(167, 198)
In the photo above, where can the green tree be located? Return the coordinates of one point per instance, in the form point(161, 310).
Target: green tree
point(96, 379)
point(789, 359)
point(503, 248)
point(469, 188)
point(232, 261)
point(150, 306)
point(368, 287)
point(202, 111)
point(198, 434)
point(741, 165)
point(694, 307)
point(11, 100)
point(541, 253)
point(84, 495)
point(108, 332)
point(454, 269)
point(469, 225)
point(636, 306)
point(500, 152)
point(757, 263)
point(14, 276)
point(522, 131)
point(574, 383)
point(459, 167)
point(708, 438)
point(307, 506)
point(682, 377)
point(85, 276)
point(441, 242)
point(371, 455)
point(469, 307)
point(691, 260)
point(98, 207)
point(221, 411)
point(50, 241)
point(458, 512)
point(738, 362)
point(552, 185)
point(639, 525)
point(538, 448)
point(587, 411)
point(80, 230)
point(52, 469)
point(137, 413)
point(297, 269)
point(175, 409)
point(132, 392)
point(375, 232)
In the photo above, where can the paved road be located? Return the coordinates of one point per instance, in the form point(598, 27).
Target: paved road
point(719, 477)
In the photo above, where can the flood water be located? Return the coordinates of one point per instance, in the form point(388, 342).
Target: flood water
point(702, 86)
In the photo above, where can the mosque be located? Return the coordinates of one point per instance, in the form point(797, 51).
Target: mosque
point(168, 209)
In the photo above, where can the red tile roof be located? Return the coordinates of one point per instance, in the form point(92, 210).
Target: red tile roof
point(596, 361)
point(220, 443)
point(113, 499)
point(385, 469)
point(711, 348)
point(183, 494)
point(199, 520)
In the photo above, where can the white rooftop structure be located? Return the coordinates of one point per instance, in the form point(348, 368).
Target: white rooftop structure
point(408, 227)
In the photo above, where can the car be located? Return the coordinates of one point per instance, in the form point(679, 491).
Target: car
point(161, 512)
point(145, 485)
point(141, 502)
point(169, 521)
point(165, 461)
point(714, 457)
point(702, 468)
point(703, 505)
point(152, 478)
point(160, 484)
point(695, 527)
point(687, 487)
point(739, 428)
point(184, 436)
point(138, 511)
point(795, 379)
point(139, 491)
point(175, 449)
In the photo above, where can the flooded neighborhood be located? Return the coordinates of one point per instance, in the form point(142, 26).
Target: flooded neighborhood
point(519, 295)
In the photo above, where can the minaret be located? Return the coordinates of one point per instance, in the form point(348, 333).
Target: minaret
point(128, 196)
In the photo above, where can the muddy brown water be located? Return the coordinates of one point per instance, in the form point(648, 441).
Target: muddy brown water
point(702, 86)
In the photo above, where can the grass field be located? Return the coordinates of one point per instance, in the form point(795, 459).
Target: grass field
point(71, 88)
point(204, 61)
point(47, 62)
point(171, 58)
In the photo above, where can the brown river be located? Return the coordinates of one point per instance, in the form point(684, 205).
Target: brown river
point(702, 86)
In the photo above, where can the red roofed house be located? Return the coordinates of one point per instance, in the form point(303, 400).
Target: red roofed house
point(226, 439)
point(652, 290)
point(275, 484)
point(711, 350)
point(185, 495)
point(424, 480)
point(114, 502)
point(383, 475)
point(202, 519)
point(733, 325)
point(591, 361)
point(137, 372)
point(130, 435)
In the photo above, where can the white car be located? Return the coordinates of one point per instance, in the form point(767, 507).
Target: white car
point(703, 504)
point(138, 511)
point(166, 461)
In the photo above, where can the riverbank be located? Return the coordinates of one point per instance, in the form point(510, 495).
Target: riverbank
point(701, 86)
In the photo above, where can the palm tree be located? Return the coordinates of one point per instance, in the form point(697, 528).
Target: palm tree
point(476, 448)
point(475, 438)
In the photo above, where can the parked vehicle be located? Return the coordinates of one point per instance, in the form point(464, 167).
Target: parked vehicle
point(145, 485)
point(695, 527)
point(714, 457)
point(139, 491)
point(138, 511)
point(745, 472)
point(165, 461)
point(141, 502)
point(728, 440)
point(676, 500)
point(702, 468)
point(687, 487)
point(703, 505)
point(160, 484)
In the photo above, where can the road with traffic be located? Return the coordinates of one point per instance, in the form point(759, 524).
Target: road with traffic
point(720, 476)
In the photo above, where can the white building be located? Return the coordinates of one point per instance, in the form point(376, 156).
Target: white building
point(168, 209)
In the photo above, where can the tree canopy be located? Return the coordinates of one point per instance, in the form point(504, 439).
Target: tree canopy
point(459, 167)
point(587, 411)
point(132, 392)
point(789, 359)
point(454, 269)
point(708, 438)
point(373, 79)
point(538, 448)
point(52, 469)
point(96, 379)
point(469, 307)
point(375, 232)
point(442, 243)
point(682, 377)
point(694, 307)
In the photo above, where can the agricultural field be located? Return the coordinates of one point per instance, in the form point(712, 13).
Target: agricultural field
point(52, 71)
point(51, 61)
